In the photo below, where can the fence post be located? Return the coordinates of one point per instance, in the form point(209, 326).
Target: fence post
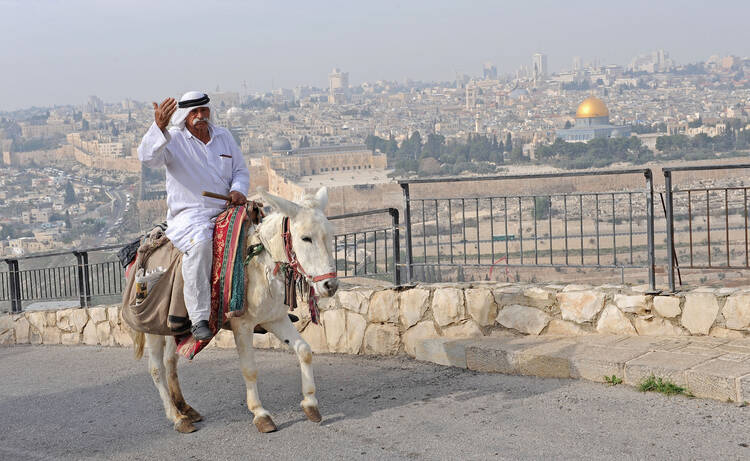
point(670, 229)
point(14, 280)
point(407, 218)
point(650, 228)
point(84, 287)
point(396, 247)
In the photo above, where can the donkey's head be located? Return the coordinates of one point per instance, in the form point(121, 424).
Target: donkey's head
point(311, 237)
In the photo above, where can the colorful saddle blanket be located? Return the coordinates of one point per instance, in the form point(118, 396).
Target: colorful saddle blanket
point(227, 277)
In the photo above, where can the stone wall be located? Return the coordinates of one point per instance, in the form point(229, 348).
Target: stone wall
point(391, 321)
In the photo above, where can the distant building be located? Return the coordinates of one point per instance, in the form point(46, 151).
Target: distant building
point(471, 95)
point(577, 64)
point(657, 61)
point(539, 66)
point(490, 71)
point(355, 175)
point(224, 99)
point(94, 105)
point(338, 86)
point(592, 121)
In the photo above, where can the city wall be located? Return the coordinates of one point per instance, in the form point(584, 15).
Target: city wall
point(130, 164)
point(389, 321)
point(39, 157)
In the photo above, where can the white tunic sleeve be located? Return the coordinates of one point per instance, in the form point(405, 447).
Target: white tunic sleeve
point(152, 151)
point(240, 173)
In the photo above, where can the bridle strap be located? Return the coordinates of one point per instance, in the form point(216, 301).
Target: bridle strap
point(292, 256)
point(330, 275)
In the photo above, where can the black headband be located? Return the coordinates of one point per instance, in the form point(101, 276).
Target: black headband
point(193, 102)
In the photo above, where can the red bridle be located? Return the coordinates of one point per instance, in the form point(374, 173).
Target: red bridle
point(292, 256)
point(297, 277)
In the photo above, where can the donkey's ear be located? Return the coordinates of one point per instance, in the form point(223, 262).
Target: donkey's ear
point(281, 205)
point(321, 197)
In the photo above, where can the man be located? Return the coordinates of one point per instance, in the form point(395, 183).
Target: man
point(199, 156)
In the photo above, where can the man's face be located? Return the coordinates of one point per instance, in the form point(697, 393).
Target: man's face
point(198, 117)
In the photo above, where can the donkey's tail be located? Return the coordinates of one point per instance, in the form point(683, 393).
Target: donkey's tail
point(139, 339)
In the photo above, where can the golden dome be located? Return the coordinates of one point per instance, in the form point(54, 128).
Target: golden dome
point(592, 107)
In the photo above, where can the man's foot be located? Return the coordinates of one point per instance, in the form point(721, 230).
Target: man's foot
point(201, 331)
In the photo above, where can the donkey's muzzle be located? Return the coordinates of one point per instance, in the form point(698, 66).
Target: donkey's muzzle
point(331, 285)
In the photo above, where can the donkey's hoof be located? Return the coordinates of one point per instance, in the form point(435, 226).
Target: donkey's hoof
point(184, 426)
point(193, 415)
point(312, 414)
point(264, 424)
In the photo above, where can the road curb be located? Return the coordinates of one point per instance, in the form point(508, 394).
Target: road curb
point(713, 368)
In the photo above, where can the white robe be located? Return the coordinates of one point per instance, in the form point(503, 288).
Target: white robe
point(194, 167)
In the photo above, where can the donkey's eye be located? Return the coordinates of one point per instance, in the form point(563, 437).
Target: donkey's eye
point(307, 239)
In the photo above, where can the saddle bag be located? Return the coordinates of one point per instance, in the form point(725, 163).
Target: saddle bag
point(163, 310)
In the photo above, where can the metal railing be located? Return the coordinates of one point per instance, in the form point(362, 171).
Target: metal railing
point(613, 229)
point(81, 279)
point(598, 229)
point(370, 252)
point(708, 225)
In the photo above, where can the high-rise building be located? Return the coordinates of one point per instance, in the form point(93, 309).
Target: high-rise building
point(471, 95)
point(94, 104)
point(539, 65)
point(338, 86)
point(577, 63)
point(462, 80)
point(490, 71)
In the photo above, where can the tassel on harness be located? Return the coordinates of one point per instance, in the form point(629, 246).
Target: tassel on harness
point(296, 280)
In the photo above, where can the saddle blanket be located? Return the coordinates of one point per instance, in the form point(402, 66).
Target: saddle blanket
point(227, 277)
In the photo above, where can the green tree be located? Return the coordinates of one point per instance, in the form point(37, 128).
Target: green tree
point(508, 143)
point(434, 145)
point(70, 194)
point(541, 208)
point(516, 155)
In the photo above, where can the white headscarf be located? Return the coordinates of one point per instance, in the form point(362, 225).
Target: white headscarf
point(179, 116)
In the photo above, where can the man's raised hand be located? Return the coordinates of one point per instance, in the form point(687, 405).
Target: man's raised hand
point(163, 112)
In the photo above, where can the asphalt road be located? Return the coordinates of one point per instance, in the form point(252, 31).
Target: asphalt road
point(98, 403)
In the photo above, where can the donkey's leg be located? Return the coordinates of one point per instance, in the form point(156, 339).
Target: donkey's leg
point(156, 345)
point(243, 338)
point(173, 383)
point(288, 334)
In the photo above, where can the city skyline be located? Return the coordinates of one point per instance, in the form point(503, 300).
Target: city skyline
point(64, 52)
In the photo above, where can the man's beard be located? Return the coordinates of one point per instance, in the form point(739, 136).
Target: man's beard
point(195, 121)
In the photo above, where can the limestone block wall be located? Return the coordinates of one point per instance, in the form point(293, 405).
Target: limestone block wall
point(390, 321)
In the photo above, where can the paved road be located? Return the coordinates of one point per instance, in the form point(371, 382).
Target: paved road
point(97, 403)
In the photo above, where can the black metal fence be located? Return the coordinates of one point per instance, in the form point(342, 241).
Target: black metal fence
point(707, 226)
point(81, 279)
point(370, 252)
point(706, 229)
point(613, 229)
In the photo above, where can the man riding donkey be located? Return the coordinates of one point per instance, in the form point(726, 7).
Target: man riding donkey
point(198, 156)
point(246, 281)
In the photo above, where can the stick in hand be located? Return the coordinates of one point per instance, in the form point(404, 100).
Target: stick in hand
point(217, 196)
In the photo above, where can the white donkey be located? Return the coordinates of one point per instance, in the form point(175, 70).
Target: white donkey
point(264, 297)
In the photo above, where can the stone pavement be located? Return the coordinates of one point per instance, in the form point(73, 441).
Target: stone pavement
point(714, 368)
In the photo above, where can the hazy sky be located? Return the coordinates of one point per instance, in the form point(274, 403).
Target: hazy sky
point(59, 52)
